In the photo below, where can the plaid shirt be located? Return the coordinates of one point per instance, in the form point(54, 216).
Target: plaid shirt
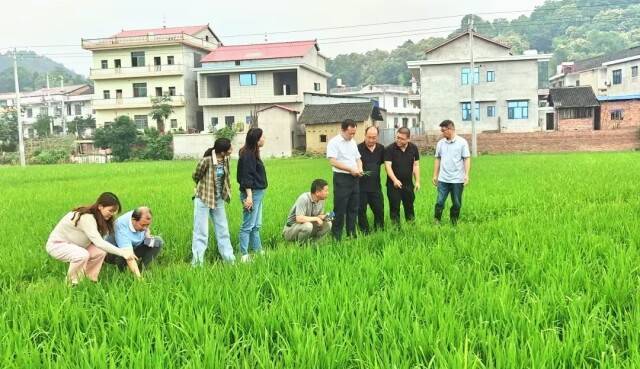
point(205, 178)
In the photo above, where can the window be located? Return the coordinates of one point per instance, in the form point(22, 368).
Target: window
point(118, 95)
point(491, 111)
point(172, 91)
point(141, 121)
point(577, 82)
point(465, 76)
point(139, 90)
point(617, 77)
point(518, 109)
point(214, 122)
point(170, 60)
point(117, 63)
point(29, 113)
point(414, 122)
point(491, 76)
point(229, 120)
point(617, 114)
point(174, 123)
point(137, 59)
point(158, 91)
point(237, 62)
point(323, 138)
point(44, 111)
point(106, 94)
point(395, 122)
point(404, 102)
point(248, 79)
point(576, 113)
point(634, 71)
point(316, 86)
point(78, 109)
point(248, 119)
point(68, 109)
point(104, 64)
point(466, 111)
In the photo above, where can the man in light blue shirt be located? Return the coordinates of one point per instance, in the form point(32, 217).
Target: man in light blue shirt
point(451, 170)
point(132, 230)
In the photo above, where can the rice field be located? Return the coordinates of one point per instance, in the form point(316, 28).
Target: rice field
point(541, 272)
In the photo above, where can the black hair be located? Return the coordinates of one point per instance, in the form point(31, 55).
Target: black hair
point(318, 185)
point(404, 131)
point(348, 123)
point(447, 124)
point(251, 142)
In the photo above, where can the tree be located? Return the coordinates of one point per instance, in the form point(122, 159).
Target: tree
point(80, 124)
point(160, 110)
point(43, 125)
point(8, 131)
point(119, 137)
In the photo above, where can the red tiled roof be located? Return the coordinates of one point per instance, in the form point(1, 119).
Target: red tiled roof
point(190, 30)
point(261, 51)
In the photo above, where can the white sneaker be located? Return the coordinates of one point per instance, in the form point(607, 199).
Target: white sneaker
point(245, 258)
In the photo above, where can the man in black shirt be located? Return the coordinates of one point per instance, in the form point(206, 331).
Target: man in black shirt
point(372, 156)
point(401, 161)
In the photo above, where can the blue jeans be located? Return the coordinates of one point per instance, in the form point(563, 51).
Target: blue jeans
point(251, 223)
point(201, 214)
point(444, 189)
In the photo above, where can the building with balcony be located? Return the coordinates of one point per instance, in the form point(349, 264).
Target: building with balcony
point(401, 112)
point(63, 104)
point(131, 67)
point(238, 81)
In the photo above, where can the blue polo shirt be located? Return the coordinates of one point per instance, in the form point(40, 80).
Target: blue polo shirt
point(452, 154)
point(126, 235)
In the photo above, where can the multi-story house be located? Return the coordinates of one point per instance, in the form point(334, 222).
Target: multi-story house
point(615, 81)
point(131, 67)
point(238, 81)
point(62, 104)
point(509, 89)
point(613, 74)
point(394, 99)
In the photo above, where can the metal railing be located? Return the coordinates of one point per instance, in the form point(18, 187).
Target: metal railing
point(132, 71)
point(150, 38)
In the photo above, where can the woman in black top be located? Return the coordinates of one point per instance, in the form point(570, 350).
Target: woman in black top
point(252, 178)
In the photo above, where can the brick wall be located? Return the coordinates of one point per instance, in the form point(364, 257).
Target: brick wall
point(631, 114)
point(582, 124)
point(622, 139)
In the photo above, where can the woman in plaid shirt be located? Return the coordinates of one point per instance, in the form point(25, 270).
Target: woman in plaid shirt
point(212, 191)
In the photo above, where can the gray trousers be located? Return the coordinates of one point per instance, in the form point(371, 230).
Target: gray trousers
point(305, 231)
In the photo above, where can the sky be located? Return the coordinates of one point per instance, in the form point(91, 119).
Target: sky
point(55, 27)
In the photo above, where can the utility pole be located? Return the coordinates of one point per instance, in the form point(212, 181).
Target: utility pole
point(48, 100)
point(63, 112)
point(474, 134)
point(23, 162)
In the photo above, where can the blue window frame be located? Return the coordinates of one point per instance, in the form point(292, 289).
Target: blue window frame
point(466, 111)
point(491, 111)
point(617, 77)
point(491, 76)
point(518, 109)
point(465, 75)
point(248, 79)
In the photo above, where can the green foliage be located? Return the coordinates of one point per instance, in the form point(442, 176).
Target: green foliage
point(118, 136)
point(226, 132)
point(9, 158)
point(43, 125)
point(8, 131)
point(51, 156)
point(161, 108)
point(154, 146)
point(81, 124)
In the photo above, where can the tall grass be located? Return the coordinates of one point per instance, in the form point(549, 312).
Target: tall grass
point(541, 272)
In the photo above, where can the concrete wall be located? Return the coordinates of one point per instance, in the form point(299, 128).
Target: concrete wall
point(629, 85)
point(240, 112)
point(110, 115)
point(278, 127)
point(125, 55)
point(459, 50)
point(442, 94)
point(314, 131)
